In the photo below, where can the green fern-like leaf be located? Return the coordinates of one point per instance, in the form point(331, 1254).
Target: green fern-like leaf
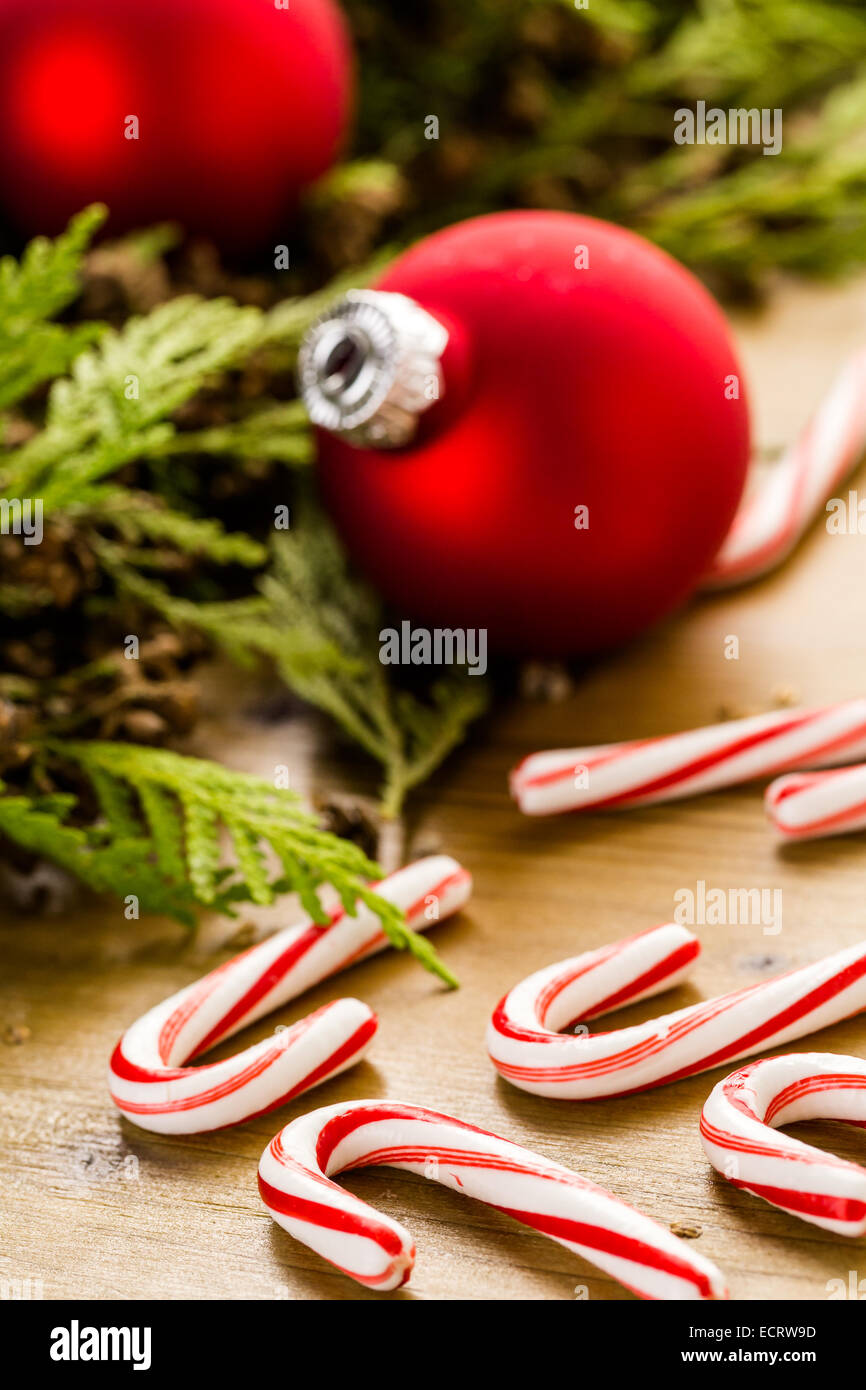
point(250, 860)
point(115, 405)
point(271, 431)
point(119, 865)
point(201, 828)
point(320, 627)
point(139, 517)
point(46, 279)
point(32, 292)
point(164, 824)
point(115, 803)
point(160, 838)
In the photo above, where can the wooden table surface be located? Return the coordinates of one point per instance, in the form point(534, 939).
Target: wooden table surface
point(94, 1208)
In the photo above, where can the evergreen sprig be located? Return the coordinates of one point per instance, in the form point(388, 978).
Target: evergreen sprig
point(546, 103)
point(106, 859)
point(322, 628)
point(279, 432)
point(32, 292)
point(140, 517)
point(163, 818)
point(319, 625)
point(177, 832)
point(116, 405)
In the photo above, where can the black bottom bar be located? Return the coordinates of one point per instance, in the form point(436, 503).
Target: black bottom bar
point(318, 1340)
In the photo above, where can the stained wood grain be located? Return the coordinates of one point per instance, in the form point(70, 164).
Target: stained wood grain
point(94, 1208)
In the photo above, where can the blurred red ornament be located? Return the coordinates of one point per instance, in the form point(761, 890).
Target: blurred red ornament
point(214, 113)
point(589, 448)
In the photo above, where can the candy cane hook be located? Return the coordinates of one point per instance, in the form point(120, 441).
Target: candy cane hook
point(809, 805)
point(296, 1168)
point(150, 1083)
point(648, 771)
point(738, 1133)
point(528, 1049)
point(777, 514)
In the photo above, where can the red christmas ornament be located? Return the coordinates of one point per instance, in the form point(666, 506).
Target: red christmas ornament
point(547, 437)
point(215, 113)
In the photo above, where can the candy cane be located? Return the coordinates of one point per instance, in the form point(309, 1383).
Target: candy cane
point(294, 1181)
point(809, 805)
point(527, 1047)
point(646, 771)
point(150, 1083)
point(738, 1124)
point(774, 517)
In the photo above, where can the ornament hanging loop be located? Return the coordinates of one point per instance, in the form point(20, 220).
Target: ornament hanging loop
point(370, 366)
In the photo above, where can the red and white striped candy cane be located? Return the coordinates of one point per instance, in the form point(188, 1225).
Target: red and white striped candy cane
point(646, 771)
point(296, 1168)
point(778, 512)
point(528, 1048)
point(808, 805)
point(148, 1076)
point(738, 1132)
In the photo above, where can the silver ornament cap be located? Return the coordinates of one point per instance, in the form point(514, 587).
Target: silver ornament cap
point(370, 366)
